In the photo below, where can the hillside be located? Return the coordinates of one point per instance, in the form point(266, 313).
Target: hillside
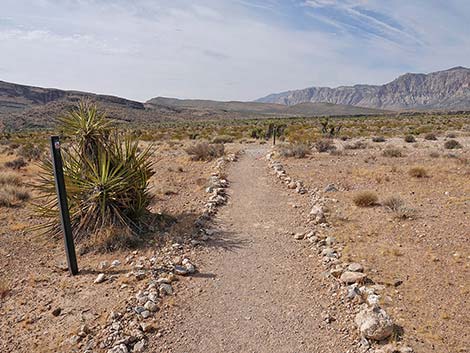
point(27, 107)
point(257, 108)
point(444, 90)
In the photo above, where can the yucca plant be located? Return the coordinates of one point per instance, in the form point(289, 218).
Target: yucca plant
point(106, 176)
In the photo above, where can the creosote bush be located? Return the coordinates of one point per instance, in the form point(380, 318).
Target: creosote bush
point(452, 144)
point(106, 177)
point(393, 203)
point(430, 137)
point(418, 172)
point(204, 151)
point(378, 139)
point(17, 163)
point(365, 199)
point(409, 138)
point(325, 145)
point(223, 139)
point(392, 152)
point(12, 191)
point(297, 150)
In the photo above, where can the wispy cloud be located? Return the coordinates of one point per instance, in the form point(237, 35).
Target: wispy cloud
point(226, 49)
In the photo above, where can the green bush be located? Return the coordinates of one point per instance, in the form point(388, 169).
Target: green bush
point(106, 177)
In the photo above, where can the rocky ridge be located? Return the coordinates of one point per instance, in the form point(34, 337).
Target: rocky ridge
point(448, 89)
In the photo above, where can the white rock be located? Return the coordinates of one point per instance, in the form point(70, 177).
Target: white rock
point(103, 265)
point(298, 236)
point(119, 349)
point(151, 306)
point(349, 277)
point(166, 289)
point(101, 278)
point(355, 267)
point(139, 346)
point(115, 263)
point(374, 323)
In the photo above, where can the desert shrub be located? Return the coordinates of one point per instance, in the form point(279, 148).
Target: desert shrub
point(10, 179)
point(204, 151)
point(30, 152)
point(365, 199)
point(392, 152)
point(325, 145)
point(106, 177)
point(393, 203)
point(409, 138)
point(378, 139)
point(358, 145)
point(452, 144)
point(17, 163)
point(297, 150)
point(12, 193)
point(418, 172)
point(222, 139)
point(451, 135)
point(430, 137)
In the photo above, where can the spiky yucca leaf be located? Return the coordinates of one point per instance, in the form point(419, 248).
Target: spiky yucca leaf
point(106, 178)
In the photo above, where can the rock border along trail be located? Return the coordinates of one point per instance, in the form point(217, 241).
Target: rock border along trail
point(257, 290)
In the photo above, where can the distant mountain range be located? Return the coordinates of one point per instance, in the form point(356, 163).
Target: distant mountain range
point(35, 107)
point(442, 90)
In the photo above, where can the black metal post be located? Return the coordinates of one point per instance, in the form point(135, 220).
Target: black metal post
point(274, 135)
point(63, 206)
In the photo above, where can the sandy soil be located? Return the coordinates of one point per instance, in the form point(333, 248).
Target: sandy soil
point(32, 268)
point(424, 261)
point(259, 290)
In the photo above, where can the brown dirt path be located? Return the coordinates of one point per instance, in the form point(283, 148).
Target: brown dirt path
point(258, 289)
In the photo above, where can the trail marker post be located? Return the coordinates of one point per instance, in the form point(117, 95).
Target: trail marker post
point(63, 205)
point(274, 135)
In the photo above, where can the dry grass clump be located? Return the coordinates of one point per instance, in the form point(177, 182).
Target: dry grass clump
point(430, 137)
point(418, 172)
point(325, 145)
point(409, 138)
point(16, 164)
point(365, 199)
point(396, 205)
point(12, 193)
point(297, 150)
point(434, 154)
point(452, 144)
point(358, 145)
point(223, 139)
point(392, 152)
point(204, 151)
point(30, 152)
point(378, 139)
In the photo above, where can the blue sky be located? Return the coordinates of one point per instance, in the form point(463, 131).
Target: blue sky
point(229, 50)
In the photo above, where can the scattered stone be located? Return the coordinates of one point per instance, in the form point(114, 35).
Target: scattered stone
point(145, 314)
point(122, 348)
point(374, 323)
point(139, 346)
point(103, 265)
point(147, 327)
point(336, 272)
point(56, 311)
point(115, 263)
point(330, 188)
point(166, 289)
point(101, 278)
point(330, 241)
point(298, 236)
point(180, 270)
point(349, 277)
point(139, 275)
point(355, 267)
point(139, 309)
point(189, 266)
point(151, 306)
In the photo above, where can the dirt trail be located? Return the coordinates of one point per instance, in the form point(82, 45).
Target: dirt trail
point(259, 290)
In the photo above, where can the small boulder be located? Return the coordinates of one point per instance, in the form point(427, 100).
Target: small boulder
point(374, 323)
point(101, 278)
point(355, 267)
point(349, 277)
